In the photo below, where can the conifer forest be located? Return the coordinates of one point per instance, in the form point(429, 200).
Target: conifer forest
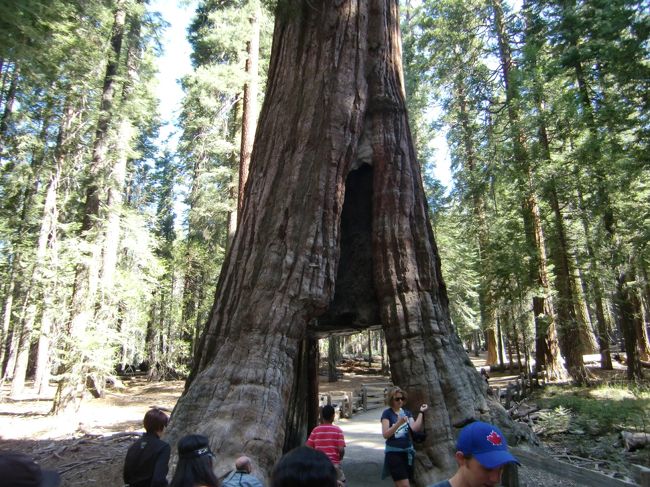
point(112, 237)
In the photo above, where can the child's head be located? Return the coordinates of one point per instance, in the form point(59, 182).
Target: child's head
point(155, 421)
point(328, 413)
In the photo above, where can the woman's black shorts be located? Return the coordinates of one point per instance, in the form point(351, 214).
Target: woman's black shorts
point(398, 465)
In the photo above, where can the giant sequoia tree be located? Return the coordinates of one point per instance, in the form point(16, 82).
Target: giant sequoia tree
point(333, 236)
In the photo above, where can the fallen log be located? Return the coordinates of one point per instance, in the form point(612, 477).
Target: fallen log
point(518, 412)
point(633, 441)
point(540, 460)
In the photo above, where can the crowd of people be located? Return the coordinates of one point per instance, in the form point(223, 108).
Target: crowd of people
point(481, 455)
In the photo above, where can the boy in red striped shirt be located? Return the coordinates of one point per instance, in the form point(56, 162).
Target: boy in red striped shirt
point(328, 438)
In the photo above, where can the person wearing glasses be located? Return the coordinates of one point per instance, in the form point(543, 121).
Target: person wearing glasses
point(396, 421)
point(195, 463)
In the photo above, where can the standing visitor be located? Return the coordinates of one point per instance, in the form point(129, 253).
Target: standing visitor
point(481, 454)
point(146, 462)
point(396, 423)
point(195, 466)
point(328, 438)
point(241, 476)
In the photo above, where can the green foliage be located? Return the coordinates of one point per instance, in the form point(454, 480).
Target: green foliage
point(420, 93)
point(208, 152)
point(579, 71)
point(56, 55)
point(555, 421)
point(219, 33)
point(571, 111)
point(457, 254)
point(596, 411)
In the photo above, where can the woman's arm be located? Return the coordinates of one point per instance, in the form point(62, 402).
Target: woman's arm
point(416, 425)
point(388, 431)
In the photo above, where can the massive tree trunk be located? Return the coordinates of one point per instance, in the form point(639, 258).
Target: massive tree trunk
point(334, 114)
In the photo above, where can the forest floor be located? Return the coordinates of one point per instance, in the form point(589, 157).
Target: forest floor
point(88, 448)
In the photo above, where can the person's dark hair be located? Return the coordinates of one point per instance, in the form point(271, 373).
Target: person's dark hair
point(194, 463)
point(155, 420)
point(304, 467)
point(328, 412)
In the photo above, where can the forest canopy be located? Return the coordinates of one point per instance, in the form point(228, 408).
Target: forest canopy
point(543, 235)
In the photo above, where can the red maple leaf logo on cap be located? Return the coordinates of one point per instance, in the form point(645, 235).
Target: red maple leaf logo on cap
point(494, 438)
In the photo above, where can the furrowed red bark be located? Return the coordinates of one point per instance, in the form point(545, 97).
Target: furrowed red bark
point(334, 207)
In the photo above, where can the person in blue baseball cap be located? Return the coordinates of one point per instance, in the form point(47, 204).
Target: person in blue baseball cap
point(481, 453)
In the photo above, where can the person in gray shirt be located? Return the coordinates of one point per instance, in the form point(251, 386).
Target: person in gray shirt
point(241, 476)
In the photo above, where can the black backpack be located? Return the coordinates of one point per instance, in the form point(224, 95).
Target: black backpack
point(418, 436)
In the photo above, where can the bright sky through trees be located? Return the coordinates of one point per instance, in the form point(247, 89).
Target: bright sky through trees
point(175, 62)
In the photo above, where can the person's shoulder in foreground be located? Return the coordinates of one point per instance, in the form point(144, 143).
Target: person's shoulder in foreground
point(481, 454)
point(20, 470)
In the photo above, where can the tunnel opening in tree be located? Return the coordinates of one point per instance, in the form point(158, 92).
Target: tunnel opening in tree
point(354, 306)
